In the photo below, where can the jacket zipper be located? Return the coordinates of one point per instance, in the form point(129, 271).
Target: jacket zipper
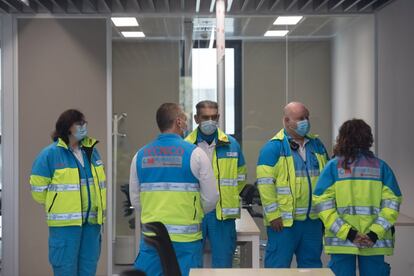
point(195, 208)
point(88, 212)
point(310, 189)
point(80, 184)
point(97, 177)
point(218, 171)
point(53, 202)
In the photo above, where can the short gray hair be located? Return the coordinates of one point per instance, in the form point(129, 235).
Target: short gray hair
point(206, 104)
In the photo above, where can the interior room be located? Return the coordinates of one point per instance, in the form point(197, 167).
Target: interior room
point(118, 61)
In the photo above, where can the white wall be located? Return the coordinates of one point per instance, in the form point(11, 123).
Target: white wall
point(395, 100)
point(354, 73)
point(395, 94)
point(61, 65)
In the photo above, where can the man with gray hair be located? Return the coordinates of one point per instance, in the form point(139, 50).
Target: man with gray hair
point(287, 170)
point(229, 167)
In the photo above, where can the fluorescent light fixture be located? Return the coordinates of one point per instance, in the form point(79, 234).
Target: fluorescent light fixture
point(213, 30)
point(125, 21)
point(229, 3)
point(276, 33)
point(213, 2)
point(197, 6)
point(26, 2)
point(287, 20)
point(133, 34)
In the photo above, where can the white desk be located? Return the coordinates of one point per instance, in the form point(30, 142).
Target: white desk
point(247, 231)
point(261, 272)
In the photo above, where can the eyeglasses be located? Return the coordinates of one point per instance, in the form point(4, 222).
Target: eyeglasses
point(81, 123)
point(207, 117)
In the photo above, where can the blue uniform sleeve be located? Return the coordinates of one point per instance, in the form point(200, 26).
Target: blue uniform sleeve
point(41, 165)
point(389, 179)
point(327, 178)
point(241, 161)
point(269, 154)
point(41, 176)
point(324, 202)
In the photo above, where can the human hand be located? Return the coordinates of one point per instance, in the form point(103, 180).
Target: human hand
point(363, 241)
point(277, 224)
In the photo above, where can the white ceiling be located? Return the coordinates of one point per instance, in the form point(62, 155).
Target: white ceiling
point(241, 28)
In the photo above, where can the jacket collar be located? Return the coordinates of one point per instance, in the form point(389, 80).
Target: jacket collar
point(222, 137)
point(282, 134)
point(87, 142)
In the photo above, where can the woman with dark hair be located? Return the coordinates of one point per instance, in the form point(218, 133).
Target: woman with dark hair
point(68, 179)
point(358, 200)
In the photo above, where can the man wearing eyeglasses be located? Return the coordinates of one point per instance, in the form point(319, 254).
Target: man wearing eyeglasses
point(230, 171)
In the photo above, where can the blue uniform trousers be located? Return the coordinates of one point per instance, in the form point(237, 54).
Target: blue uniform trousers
point(303, 239)
point(188, 254)
point(345, 265)
point(222, 237)
point(74, 250)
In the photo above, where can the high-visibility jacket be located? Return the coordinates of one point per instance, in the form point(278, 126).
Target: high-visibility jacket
point(169, 192)
point(364, 197)
point(70, 193)
point(285, 181)
point(230, 171)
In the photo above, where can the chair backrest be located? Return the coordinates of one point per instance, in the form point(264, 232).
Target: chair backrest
point(162, 243)
point(132, 272)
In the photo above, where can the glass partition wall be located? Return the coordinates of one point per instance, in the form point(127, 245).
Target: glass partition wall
point(172, 58)
point(1, 155)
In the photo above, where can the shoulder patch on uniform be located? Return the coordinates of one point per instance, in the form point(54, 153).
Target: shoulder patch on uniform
point(232, 154)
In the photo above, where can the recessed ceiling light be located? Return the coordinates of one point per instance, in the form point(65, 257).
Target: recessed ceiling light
point(229, 3)
point(287, 20)
point(125, 21)
point(276, 33)
point(213, 2)
point(133, 34)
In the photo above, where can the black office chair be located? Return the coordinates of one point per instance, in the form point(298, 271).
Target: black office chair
point(250, 198)
point(132, 272)
point(162, 243)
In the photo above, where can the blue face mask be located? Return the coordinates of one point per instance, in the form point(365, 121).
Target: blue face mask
point(303, 128)
point(208, 127)
point(81, 132)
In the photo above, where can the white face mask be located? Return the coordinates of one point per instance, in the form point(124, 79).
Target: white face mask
point(208, 127)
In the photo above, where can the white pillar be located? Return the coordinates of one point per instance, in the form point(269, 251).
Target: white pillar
point(10, 150)
point(221, 48)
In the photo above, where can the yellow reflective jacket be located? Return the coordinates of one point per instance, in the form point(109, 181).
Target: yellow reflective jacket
point(286, 183)
point(230, 171)
point(56, 183)
point(364, 197)
point(169, 191)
